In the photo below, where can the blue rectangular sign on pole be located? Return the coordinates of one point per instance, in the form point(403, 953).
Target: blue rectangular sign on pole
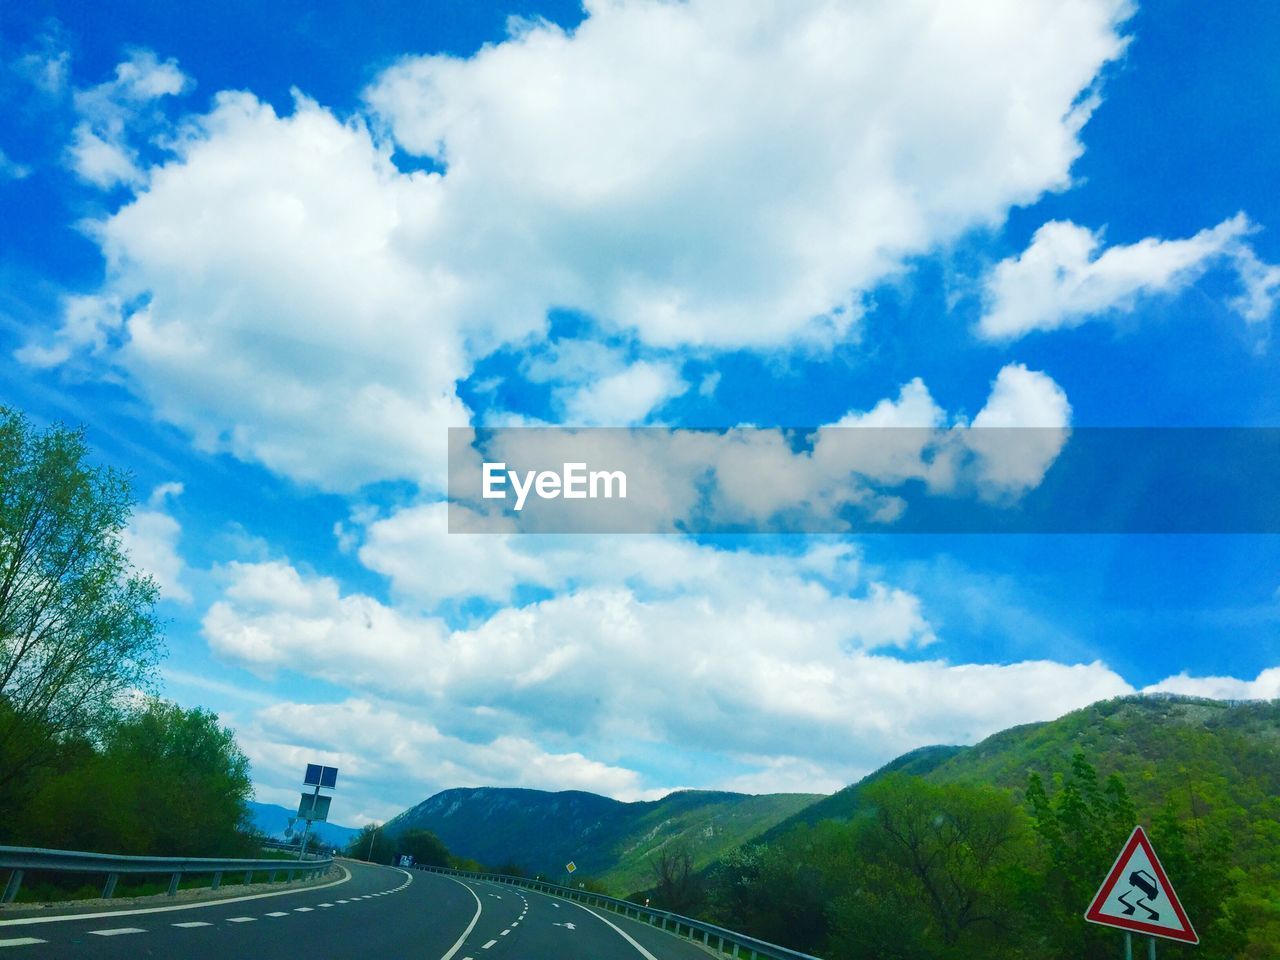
point(319, 776)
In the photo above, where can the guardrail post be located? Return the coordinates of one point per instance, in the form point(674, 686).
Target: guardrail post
point(11, 888)
point(217, 880)
point(173, 884)
point(272, 877)
point(109, 888)
point(248, 877)
point(289, 878)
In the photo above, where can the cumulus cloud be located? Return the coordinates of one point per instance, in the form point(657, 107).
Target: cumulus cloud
point(1266, 686)
point(1065, 278)
point(763, 479)
point(627, 396)
point(712, 173)
point(376, 743)
point(113, 112)
point(748, 655)
point(279, 322)
point(151, 542)
point(698, 173)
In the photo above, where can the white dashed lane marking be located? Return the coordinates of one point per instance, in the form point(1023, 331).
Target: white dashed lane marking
point(21, 942)
point(116, 931)
point(489, 944)
point(302, 909)
point(241, 919)
point(192, 924)
point(277, 913)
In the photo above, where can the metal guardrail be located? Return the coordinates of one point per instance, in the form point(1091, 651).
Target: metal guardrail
point(727, 942)
point(21, 859)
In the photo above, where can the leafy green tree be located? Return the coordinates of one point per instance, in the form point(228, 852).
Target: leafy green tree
point(372, 844)
point(1198, 861)
point(166, 782)
point(77, 627)
point(941, 868)
point(424, 846)
point(1081, 827)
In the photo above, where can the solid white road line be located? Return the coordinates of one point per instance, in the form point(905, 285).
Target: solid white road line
point(617, 929)
point(471, 926)
point(192, 924)
point(24, 921)
point(116, 931)
point(26, 942)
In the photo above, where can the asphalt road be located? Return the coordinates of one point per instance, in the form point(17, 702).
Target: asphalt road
point(377, 912)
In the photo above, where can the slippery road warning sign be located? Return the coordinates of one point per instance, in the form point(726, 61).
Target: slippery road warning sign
point(1137, 895)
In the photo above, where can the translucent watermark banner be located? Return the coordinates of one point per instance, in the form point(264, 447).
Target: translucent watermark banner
point(864, 480)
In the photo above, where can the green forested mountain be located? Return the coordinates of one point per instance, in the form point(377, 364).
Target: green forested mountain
point(1051, 802)
point(609, 841)
point(1217, 752)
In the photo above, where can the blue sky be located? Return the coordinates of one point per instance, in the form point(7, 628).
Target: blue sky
point(267, 257)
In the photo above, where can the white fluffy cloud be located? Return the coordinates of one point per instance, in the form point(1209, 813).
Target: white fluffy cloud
point(662, 642)
point(624, 397)
point(1064, 278)
point(698, 173)
point(151, 542)
point(758, 479)
point(112, 112)
point(719, 173)
point(387, 756)
point(280, 323)
point(1266, 686)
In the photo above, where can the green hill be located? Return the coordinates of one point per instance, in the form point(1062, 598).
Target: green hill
point(607, 839)
point(1212, 766)
point(1213, 754)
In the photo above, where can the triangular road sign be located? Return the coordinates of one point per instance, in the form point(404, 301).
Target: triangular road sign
point(1137, 895)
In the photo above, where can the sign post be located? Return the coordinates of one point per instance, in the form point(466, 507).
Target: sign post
point(1137, 897)
point(313, 806)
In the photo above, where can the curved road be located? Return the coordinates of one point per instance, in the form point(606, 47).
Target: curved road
point(372, 912)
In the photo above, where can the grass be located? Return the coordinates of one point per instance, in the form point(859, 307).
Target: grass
point(47, 887)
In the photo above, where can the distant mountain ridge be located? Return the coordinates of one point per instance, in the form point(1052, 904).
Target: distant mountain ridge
point(605, 838)
point(273, 819)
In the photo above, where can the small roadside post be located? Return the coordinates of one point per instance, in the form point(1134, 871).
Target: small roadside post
point(1137, 897)
point(314, 806)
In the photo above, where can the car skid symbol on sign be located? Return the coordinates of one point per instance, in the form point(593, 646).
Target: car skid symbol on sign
point(1144, 884)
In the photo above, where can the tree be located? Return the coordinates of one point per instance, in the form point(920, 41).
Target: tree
point(678, 887)
point(941, 870)
point(166, 782)
point(424, 846)
point(77, 627)
point(372, 844)
point(1081, 828)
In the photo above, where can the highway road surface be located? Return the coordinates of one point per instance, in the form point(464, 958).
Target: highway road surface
point(371, 913)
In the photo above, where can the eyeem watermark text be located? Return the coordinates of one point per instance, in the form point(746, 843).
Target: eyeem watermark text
point(574, 482)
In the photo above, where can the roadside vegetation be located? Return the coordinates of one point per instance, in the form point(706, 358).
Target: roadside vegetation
point(89, 758)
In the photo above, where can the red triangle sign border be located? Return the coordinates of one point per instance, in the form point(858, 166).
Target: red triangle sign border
point(1094, 915)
